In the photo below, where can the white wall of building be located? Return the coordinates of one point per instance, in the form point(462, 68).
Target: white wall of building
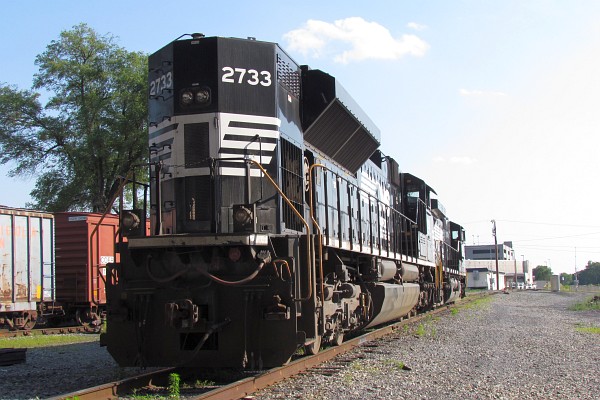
point(484, 279)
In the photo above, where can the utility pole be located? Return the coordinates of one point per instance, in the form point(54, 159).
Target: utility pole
point(576, 278)
point(516, 272)
point(496, 245)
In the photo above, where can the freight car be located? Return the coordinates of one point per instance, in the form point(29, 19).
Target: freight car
point(276, 220)
point(53, 267)
point(85, 243)
point(26, 266)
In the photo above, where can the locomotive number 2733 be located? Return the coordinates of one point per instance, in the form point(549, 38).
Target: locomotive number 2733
point(253, 77)
point(165, 81)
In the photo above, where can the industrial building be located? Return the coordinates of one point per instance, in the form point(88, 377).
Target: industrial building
point(480, 264)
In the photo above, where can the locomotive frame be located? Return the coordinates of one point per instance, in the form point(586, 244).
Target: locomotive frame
point(277, 223)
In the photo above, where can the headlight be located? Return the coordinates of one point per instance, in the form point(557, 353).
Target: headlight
point(187, 98)
point(202, 96)
point(242, 215)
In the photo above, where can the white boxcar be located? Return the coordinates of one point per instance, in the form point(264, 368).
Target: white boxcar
point(26, 265)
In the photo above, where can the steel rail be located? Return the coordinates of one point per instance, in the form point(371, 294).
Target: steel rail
point(255, 383)
point(48, 331)
point(122, 387)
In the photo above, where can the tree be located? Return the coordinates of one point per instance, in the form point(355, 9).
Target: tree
point(542, 273)
point(566, 279)
point(590, 275)
point(91, 130)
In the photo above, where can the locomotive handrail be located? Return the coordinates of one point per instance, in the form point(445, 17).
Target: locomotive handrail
point(411, 222)
point(308, 241)
point(320, 233)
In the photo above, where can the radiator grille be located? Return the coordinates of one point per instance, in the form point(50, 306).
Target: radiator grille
point(196, 145)
point(288, 77)
point(292, 184)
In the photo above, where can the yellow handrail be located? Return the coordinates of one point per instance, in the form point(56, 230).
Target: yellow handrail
point(308, 240)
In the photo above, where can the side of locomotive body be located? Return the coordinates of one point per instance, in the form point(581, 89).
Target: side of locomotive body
point(275, 220)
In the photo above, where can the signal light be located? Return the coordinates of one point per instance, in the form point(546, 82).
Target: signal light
point(132, 223)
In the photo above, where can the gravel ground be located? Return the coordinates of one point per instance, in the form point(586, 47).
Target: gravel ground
point(51, 371)
point(518, 346)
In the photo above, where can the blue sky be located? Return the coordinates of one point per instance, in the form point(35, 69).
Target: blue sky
point(495, 103)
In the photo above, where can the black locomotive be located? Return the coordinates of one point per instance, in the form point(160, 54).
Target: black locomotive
point(276, 221)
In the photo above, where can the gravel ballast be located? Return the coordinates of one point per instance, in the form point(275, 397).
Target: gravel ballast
point(524, 345)
point(55, 370)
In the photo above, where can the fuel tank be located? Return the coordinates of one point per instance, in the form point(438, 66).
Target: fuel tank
point(392, 301)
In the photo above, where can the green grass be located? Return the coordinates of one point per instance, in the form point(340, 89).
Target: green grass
point(398, 365)
point(588, 329)
point(137, 396)
point(482, 302)
point(30, 342)
point(454, 311)
point(587, 305)
point(174, 381)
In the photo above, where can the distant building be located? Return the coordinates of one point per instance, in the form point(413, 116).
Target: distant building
point(488, 252)
point(480, 264)
point(481, 277)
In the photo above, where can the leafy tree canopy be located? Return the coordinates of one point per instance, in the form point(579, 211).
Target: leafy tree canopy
point(542, 273)
point(92, 128)
point(590, 275)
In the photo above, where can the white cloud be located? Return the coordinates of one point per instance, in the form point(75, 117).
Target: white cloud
point(352, 39)
point(416, 26)
point(481, 93)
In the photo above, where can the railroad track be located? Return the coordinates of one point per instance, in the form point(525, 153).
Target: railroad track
point(47, 331)
point(259, 380)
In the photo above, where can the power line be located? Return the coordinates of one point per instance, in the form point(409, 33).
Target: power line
point(534, 223)
point(556, 237)
point(551, 250)
point(541, 246)
point(550, 223)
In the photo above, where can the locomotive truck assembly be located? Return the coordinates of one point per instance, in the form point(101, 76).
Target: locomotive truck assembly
point(276, 221)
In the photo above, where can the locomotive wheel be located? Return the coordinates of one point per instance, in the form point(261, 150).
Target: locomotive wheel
point(314, 347)
point(338, 339)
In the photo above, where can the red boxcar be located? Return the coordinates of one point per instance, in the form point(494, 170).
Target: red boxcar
point(85, 243)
